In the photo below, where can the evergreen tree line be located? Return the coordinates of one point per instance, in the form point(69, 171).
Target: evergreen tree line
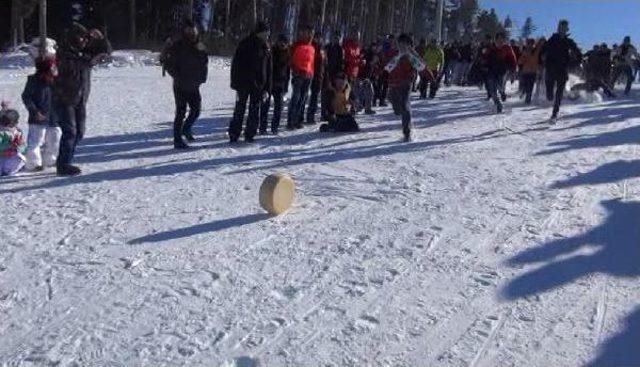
point(147, 23)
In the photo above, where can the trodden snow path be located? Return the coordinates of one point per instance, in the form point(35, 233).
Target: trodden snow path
point(488, 241)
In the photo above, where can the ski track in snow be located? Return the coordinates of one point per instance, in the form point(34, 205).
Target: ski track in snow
point(394, 254)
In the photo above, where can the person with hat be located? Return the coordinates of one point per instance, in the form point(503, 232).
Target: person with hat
point(80, 51)
point(186, 61)
point(43, 128)
point(251, 79)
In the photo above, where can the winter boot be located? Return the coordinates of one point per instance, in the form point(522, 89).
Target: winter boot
point(68, 170)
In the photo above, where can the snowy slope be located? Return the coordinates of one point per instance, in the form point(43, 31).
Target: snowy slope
point(489, 241)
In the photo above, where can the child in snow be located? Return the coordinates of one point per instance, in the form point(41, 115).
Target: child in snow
point(43, 131)
point(12, 142)
point(341, 112)
point(402, 70)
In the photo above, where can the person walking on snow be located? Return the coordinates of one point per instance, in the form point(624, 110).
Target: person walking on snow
point(402, 69)
point(529, 62)
point(434, 59)
point(250, 78)
point(625, 58)
point(303, 56)
point(500, 61)
point(560, 53)
point(78, 54)
point(186, 62)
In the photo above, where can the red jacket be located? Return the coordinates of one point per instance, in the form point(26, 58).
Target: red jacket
point(352, 58)
point(403, 74)
point(303, 56)
point(500, 60)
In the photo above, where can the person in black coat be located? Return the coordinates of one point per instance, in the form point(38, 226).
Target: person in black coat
point(250, 74)
point(79, 52)
point(560, 53)
point(186, 61)
point(318, 78)
point(280, 76)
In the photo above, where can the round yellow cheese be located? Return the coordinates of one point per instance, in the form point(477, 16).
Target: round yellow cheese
point(277, 193)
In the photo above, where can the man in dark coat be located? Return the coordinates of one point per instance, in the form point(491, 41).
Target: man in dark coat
point(250, 79)
point(79, 52)
point(560, 53)
point(280, 76)
point(186, 62)
point(318, 78)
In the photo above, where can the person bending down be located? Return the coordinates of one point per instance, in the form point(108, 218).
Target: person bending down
point(341, 112)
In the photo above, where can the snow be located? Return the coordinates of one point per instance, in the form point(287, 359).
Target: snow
point(488, 241)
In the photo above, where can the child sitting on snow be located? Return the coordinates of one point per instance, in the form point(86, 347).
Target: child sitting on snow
point(340, 112)
point(12, 142)
point(43, 130)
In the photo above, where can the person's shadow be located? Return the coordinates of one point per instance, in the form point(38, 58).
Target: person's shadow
point(211, 227)
point(617, 244)
point(622, 349)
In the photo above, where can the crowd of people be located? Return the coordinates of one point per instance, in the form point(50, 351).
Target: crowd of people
point(330, 82)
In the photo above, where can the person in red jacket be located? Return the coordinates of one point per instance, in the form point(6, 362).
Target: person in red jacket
point(402, 70)
point(352, 58)
point(303, 56)
point(500, 60)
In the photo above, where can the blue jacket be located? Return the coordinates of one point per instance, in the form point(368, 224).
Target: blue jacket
point(37, 98)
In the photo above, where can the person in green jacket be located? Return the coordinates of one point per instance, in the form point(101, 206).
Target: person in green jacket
point(434, 59)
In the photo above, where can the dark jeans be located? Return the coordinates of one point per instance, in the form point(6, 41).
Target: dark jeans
point(399, 97)
point(623, 70)
point(494, 84)
point(528, 81)
point(278, 98)
point(555, 89)
point(235, 127)
point(300, 86)
point(381, 89)
point(183, 98)
point(316, 88)
point(72, 120)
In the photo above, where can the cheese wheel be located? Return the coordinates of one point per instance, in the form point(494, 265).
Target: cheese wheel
point(277, 193)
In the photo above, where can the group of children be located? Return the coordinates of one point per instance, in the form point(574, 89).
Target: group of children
point(40, 150)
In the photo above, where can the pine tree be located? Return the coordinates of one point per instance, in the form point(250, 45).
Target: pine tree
point(528, 28)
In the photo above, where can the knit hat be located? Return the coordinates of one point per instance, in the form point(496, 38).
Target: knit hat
point(9, 118)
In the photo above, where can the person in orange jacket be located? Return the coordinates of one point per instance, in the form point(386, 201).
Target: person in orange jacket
point(303, 56)
point(529, 65)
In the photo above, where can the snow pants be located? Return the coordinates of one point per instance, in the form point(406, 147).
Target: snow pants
point(72, 121)
point(300, 92)
point(556, 82)
point(399, 97)
point(43, 146)
point(253, 120)
point(11, 166)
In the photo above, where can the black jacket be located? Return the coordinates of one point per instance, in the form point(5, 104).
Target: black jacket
point(187, 63)
point(37, 98)
point(560, 54)
point(73, 83)
point(281, 69)
point(335, 59)
point(250, 67)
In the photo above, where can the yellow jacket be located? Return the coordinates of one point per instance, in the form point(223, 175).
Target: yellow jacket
point(341, 105)
point(434, 57)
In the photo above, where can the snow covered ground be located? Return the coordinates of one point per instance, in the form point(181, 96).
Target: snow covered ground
point(489, 241)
